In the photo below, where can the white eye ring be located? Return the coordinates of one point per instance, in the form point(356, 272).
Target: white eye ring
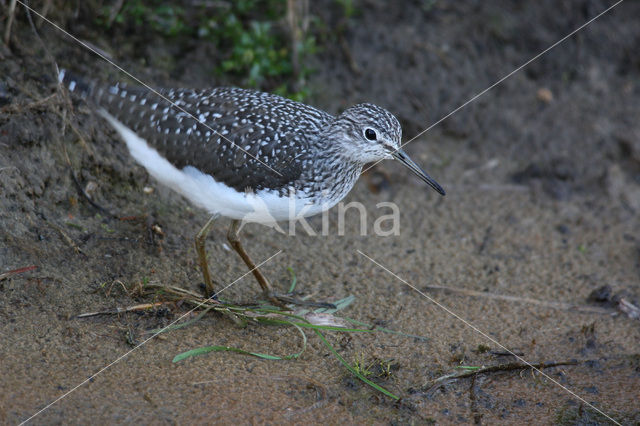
point(370, 134)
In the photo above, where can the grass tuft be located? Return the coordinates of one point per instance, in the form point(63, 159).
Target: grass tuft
point(267, 315)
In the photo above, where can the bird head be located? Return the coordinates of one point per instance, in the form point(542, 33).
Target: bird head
point(367, 133)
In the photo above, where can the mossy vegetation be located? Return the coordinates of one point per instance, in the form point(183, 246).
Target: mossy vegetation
point(262, 43)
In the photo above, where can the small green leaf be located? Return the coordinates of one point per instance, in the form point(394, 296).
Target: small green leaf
point(293, 279)
point(207, 349)
point(468, 367)
point(217, 348)
point(353, 370)
point(178, 326)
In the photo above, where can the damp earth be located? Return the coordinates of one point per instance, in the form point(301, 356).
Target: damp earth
point(536, 244)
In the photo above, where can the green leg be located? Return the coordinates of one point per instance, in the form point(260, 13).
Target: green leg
point(201, 238)
point(234, 239)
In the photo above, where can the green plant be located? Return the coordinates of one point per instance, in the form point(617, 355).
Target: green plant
point(160, 17)
point(256, 53)
point(348, 9)
point(361, 367)
point(249, 37)
point(377, 368)
point(256, 48)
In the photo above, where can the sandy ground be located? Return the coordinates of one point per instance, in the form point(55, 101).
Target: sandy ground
point(543, 193)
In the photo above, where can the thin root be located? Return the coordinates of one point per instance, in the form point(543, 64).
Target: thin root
point(512, 366)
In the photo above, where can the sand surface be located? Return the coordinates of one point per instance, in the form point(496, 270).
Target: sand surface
point(543, 199)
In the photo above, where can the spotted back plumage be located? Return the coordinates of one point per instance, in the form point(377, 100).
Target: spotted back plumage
point(249, 140)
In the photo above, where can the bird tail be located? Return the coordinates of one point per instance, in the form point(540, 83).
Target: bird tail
point(76, 84)
point(111, 97)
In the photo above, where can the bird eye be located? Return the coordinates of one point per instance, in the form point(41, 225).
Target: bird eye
point(370, 134)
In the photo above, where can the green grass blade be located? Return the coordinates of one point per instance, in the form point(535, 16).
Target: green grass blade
point(217, 348)
point(304, 342)
point(177, 326)
point(274, 321)
point(468, 367)
point(385, 330)
point(293, 279)
point(353, 371)
point(340, 305)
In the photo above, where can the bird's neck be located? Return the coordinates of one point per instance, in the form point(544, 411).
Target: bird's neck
point(333, 175)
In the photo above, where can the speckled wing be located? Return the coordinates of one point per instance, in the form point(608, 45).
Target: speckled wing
point(249, 140)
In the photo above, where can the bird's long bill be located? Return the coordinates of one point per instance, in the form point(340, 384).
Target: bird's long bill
point(401, 156)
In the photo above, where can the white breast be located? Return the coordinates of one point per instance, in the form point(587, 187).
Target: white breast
point(202, 190)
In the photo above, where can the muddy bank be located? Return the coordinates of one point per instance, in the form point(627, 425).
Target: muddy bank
point(543, 187)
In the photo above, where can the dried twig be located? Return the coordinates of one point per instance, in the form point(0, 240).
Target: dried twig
point(10, 16)
point(8, 274)
point(527, 300)
point(180, 294)
point(134, 308)
point(321, 394)
point(186, 296)
point(44, 12)
point(628, 308)
point(298, 21)
point(12, 108)
point(83, 142)
point(66, 238)
point(430, 387)
point(115, 10)
point(82, 192)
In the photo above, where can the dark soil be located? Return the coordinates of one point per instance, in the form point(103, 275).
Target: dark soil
point(543, 200)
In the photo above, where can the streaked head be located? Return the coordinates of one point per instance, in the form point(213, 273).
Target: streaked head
point(368, 133)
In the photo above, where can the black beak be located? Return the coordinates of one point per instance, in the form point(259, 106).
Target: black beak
point(404, 159)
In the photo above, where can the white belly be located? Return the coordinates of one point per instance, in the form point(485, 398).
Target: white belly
point(216, 197)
